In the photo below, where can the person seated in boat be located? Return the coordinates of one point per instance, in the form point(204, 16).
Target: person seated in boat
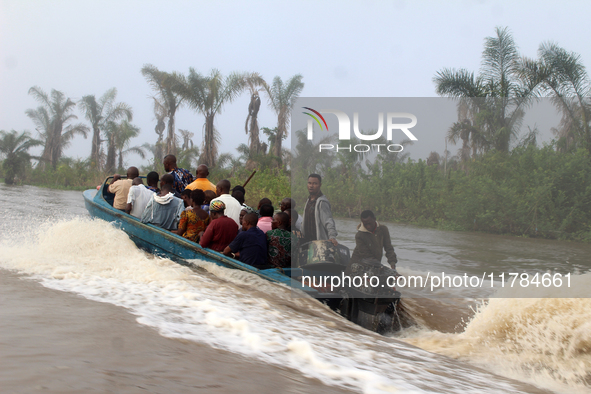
point(193, 222)
point(239, 196)
point(221, 230)
point(279, 241)
point(164, 209)
point(243, 212)
point(262, 202)
point(209, 195)
point(289, 204)
point(372, 240)
point(233, 207)
point(120, 187)
point(186, 197)
point(250, 245)
point(266, 217)
point(296, 234)
point(241, 189)
point(138, 198)
point(152, 180)
point(182, 177)
point(202, 182)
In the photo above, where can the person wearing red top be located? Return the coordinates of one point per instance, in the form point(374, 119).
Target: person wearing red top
point(221, 231)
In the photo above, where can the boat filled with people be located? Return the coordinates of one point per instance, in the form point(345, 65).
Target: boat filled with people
point(311, 267)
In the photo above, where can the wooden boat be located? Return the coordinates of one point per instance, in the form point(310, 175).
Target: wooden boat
point(158, 241)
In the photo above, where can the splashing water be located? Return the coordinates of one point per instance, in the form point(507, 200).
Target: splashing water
point(232, 310)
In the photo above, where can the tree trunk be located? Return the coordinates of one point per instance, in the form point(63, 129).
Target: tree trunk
point(120, 160)
point(111, 153)
point(255, 145)
point(95, 150)
point(209, 149)
point(278, 141)
point(170, 140)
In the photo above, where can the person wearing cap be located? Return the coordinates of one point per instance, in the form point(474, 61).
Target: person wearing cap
point(221, 231)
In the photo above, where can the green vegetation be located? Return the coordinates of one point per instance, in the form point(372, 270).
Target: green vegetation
point(531, 191)
point(499, 182)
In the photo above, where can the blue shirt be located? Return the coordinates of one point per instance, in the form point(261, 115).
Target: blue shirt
point(252, 245)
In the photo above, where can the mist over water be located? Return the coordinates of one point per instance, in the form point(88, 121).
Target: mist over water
point(545, 341)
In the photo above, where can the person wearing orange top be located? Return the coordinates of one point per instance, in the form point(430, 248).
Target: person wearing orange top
point(202, 182)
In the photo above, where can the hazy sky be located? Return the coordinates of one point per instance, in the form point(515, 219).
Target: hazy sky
point(342, 49)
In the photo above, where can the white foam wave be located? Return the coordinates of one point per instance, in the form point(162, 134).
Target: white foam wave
point(233, 310)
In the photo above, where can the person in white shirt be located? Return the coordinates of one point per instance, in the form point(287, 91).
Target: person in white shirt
point(138, 198)
point(233, 207)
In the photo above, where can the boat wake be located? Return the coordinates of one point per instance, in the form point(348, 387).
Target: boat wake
point(245, 314)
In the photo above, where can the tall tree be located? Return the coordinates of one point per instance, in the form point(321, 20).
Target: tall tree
point(495, 98)
point(207, 95)
point(282, 98)
point(167, 96)
point(561, 75)
point(99, 113)
point(255, 84)
point(160, 113)
point(52, 119)
point(15, 149)
point(118, 137)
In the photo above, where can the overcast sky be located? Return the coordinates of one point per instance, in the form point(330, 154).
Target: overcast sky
point(342, 49)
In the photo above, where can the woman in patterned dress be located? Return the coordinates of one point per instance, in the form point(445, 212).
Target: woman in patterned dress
point(194, 221)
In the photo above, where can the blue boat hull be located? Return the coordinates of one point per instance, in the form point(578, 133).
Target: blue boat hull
point(164, 243)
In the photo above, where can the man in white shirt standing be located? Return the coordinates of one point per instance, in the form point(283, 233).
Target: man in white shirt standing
point(233, 207)
point(138, 198)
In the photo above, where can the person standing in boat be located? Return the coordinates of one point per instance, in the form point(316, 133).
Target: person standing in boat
point(221, 230)
point(317, 221)
point(182, 177)
point(164, 209)
point(202, 182)
point(120, 187)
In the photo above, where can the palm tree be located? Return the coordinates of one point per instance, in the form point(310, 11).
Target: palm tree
point(99, 113)
point(118, 137)
point(188, 158)
point(15, 149)
point(306, 157)
point(187, 137)
point(167, 97)
point(562, 75)
point(255, 84)
point(156, 150)
point(493, 101)
point(282, 98)
point(52, 119)
point(207, 95)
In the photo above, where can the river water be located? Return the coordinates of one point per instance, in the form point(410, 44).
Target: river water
point(82, 310)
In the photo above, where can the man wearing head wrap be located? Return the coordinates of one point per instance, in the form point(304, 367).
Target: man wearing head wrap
point(221, 231)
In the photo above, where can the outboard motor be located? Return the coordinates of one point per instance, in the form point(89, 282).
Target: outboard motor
point(371, 303)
